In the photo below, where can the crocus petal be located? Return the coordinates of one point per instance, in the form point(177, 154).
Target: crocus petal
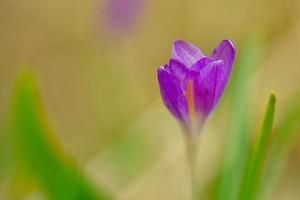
point(186, 53)
point(209, 84)
point(172, 95)
point(194, 71)
point(177, 69)
point(201, 63)
point(224, 51)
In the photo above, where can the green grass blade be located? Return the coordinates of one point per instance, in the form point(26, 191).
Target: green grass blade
point(38, 154)
point(237, 142)
point(256, 165)
point(284, 140)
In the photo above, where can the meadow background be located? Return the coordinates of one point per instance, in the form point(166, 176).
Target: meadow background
point(100, 94)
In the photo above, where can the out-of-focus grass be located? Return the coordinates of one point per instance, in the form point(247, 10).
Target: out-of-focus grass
point(5, 157)
point(256, 164)
point(237, 145)
point(38, 156)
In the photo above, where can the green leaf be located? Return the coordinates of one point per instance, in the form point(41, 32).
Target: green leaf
point(38, 154)
point(238, 142)
point(284, 140)
point(256, 165)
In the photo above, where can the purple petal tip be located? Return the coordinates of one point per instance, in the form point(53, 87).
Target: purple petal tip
point(186, 53)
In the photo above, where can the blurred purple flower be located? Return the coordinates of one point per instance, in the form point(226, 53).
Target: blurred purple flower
point(191, 84)
point(121, 15)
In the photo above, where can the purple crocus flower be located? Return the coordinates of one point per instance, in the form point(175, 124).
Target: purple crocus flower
point(191, 84)
point(121, 15)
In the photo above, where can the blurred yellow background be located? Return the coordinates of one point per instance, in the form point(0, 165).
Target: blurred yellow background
point(101, 93)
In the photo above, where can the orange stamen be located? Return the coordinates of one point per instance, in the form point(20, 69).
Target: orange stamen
point(190, 100)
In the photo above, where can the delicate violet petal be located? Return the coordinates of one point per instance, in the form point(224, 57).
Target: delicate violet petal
point(172, 95)
point(177, 69)
point(194, 71)
point(224, 51)
point(201, 63)
point(186, 53)
point(209, 84)
point(222, 80)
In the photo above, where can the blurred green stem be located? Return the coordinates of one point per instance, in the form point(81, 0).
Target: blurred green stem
point(191, 145)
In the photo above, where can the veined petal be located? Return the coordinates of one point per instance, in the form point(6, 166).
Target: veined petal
point(177, 69)
point(186, 53)
point(172, 95)
point(224, 51)
point(201, 63)
point(209, 84)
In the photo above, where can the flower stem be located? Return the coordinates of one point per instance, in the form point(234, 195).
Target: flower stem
point(191, 144)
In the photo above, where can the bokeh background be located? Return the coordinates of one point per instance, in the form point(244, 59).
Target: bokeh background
point(96, 69)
